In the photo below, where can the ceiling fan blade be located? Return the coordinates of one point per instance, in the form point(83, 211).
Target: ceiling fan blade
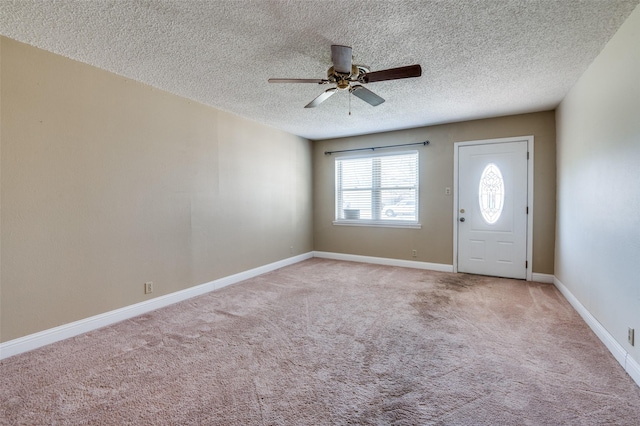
point(297, 80)
point(393, 74)
point(341, 58)
point(366, 95)
point(323, 97)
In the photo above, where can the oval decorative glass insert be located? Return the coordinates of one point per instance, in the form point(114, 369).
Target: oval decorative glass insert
point(491, 193)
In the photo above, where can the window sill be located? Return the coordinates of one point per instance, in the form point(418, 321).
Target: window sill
point(378, 224)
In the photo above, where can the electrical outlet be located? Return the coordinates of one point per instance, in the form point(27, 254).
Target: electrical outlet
point(631, 336)
point(148, 287)
point(447, 191)
point(414, 253)
point(291, 250)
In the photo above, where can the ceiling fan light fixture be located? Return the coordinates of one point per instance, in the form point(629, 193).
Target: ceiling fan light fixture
point(343, 84)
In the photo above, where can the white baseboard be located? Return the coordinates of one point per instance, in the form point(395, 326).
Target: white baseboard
point(52, 335)
point(384, 261)
point(630, 365)
point(633, 369)
point(542, 278)
point(46, 337)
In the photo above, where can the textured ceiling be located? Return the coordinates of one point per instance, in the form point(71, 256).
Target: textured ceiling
point(479, 58)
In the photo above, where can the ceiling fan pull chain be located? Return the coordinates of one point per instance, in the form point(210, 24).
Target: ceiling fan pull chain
point(349, 102)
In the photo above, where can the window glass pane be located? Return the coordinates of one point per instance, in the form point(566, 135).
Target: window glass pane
point(399, 205)
point(398, 171)
point(491, 193)
point(356, 173)
point(359, 201)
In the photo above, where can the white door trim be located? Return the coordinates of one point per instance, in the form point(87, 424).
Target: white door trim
point(456, 147)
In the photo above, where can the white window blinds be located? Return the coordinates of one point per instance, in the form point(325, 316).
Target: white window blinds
point(379, 188)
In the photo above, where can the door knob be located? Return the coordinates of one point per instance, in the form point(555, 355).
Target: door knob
point(462, 219)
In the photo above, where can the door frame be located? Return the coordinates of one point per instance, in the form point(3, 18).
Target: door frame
point(529, 242)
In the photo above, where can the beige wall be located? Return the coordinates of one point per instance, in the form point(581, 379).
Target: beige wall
point(598, 223)
point(107, 183)
point(434, 241)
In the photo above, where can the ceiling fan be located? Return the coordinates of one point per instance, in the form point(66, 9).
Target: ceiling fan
point(348, 76)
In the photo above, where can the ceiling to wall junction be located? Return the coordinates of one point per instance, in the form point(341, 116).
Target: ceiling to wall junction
point(479, 58)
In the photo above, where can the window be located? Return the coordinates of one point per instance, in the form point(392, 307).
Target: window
point(491, 193)
point(377, 189)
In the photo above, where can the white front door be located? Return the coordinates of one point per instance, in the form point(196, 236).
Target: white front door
point(492, 208)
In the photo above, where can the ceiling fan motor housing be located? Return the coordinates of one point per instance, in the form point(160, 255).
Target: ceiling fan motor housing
point(343, 81)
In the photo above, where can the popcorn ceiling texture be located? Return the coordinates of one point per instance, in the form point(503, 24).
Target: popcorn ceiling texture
point(479, 58)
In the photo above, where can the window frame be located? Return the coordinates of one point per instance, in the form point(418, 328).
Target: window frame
point(376, 189)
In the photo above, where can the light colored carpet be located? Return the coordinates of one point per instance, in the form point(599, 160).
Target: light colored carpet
point(330, 342)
